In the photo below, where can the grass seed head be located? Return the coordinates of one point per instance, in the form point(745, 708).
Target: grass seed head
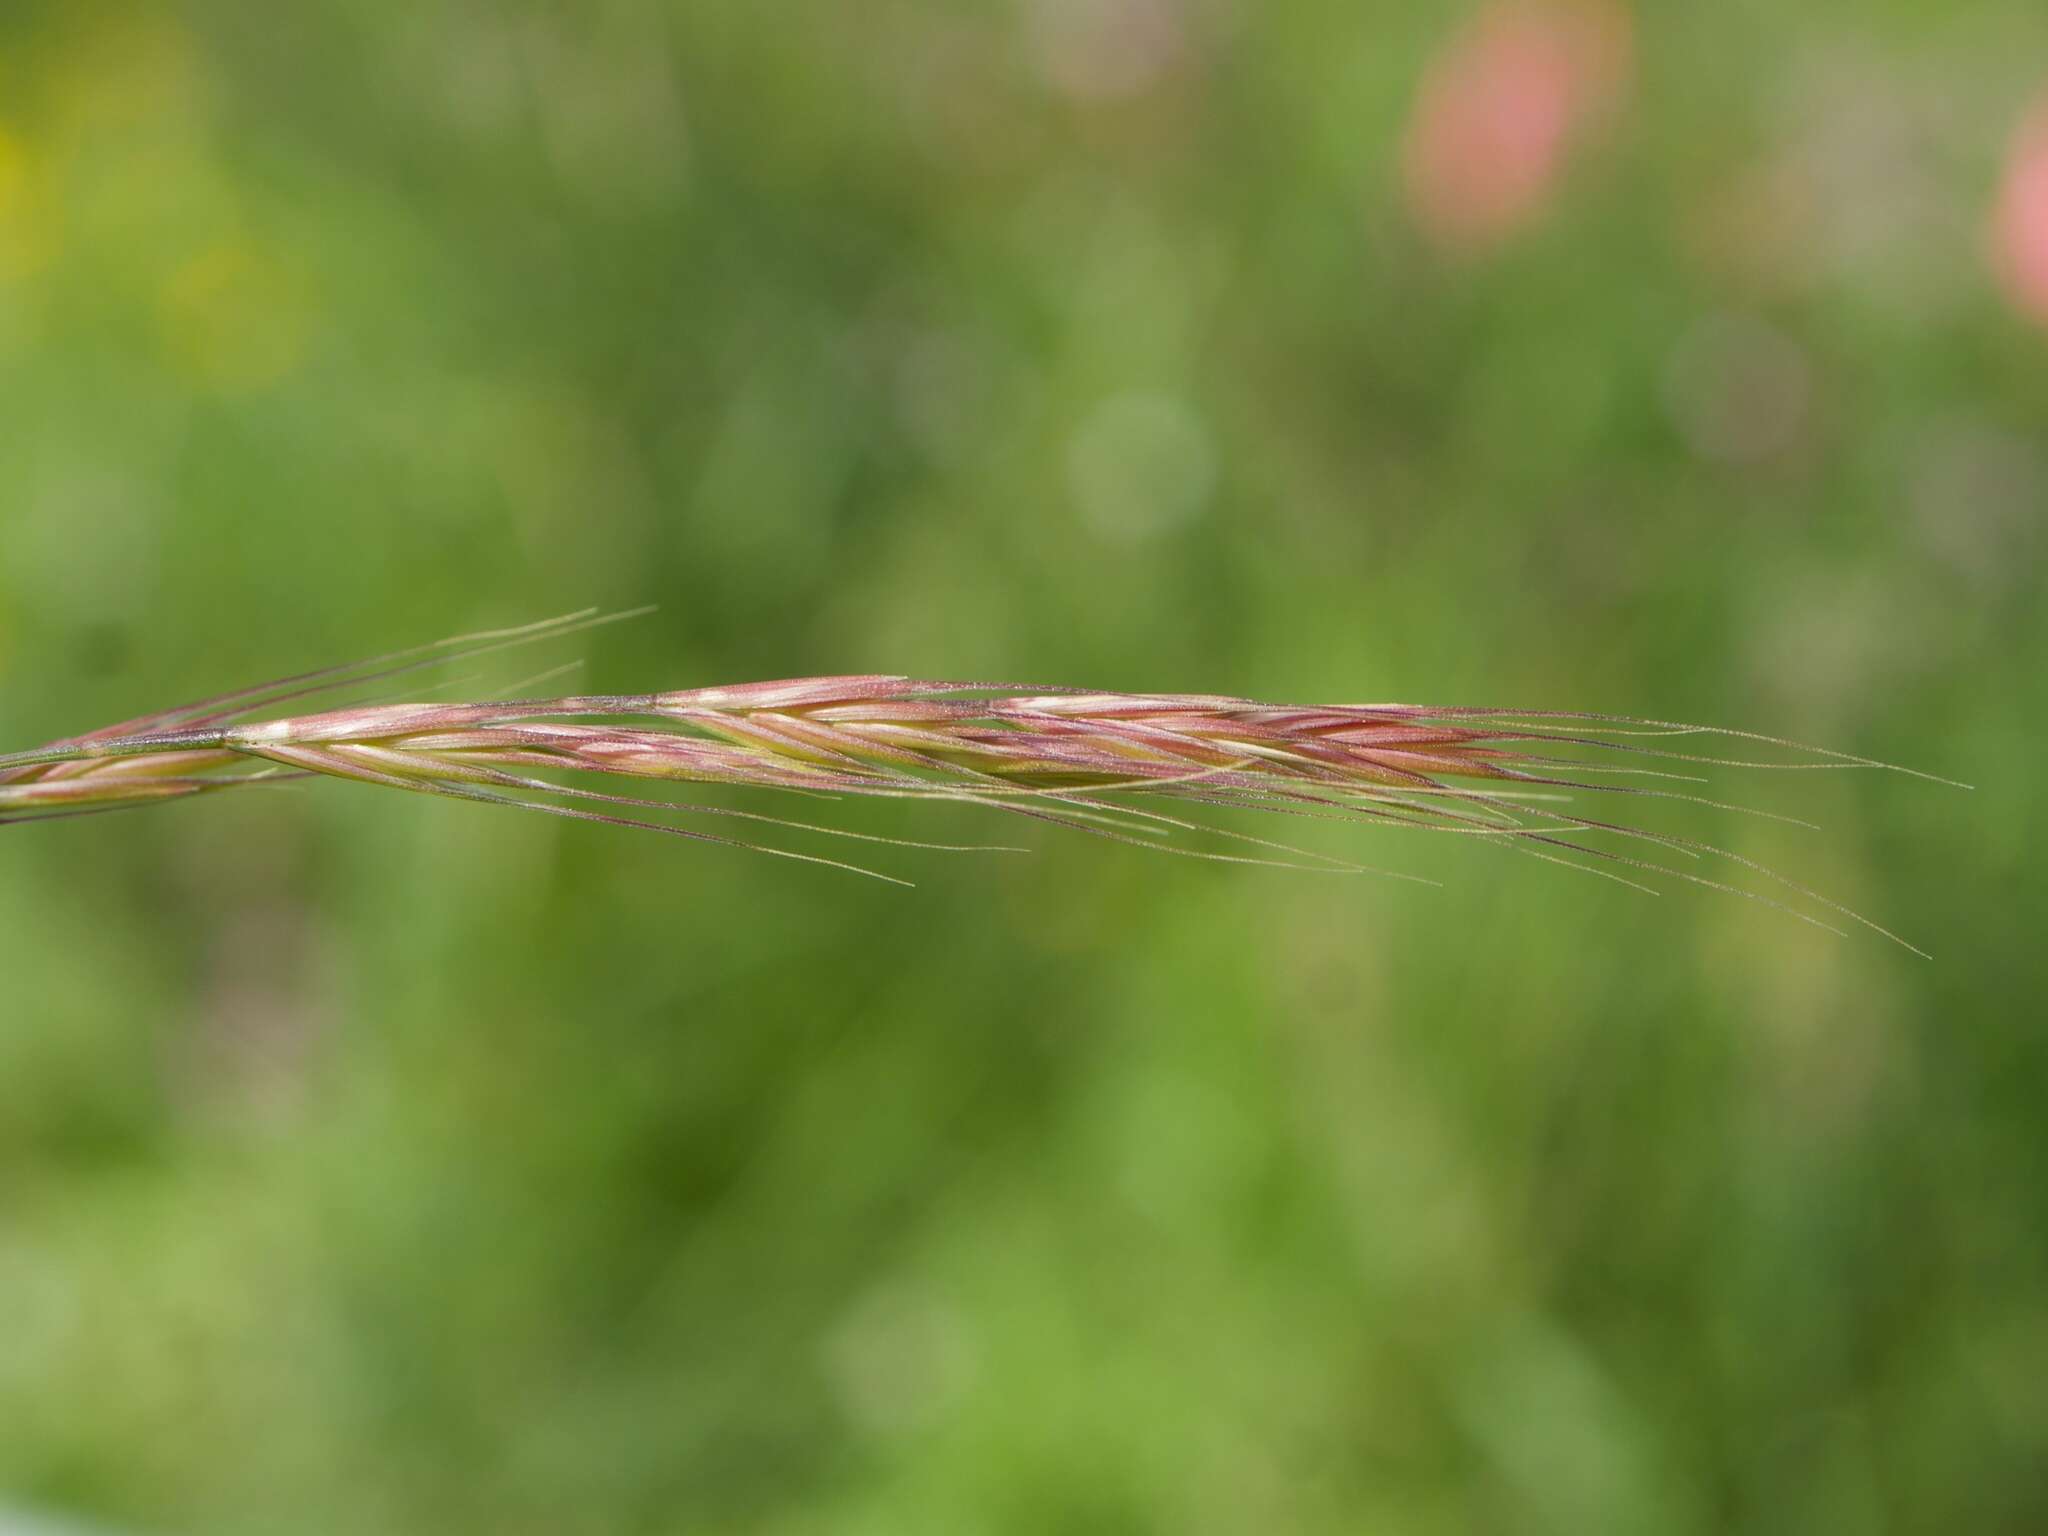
point(1147, 768)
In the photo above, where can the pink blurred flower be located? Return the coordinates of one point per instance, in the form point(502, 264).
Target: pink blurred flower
point(1501, 109)
point(2019, 227)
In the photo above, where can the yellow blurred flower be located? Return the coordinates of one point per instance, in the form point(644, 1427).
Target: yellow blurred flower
point(28, 225)
point(233, 318)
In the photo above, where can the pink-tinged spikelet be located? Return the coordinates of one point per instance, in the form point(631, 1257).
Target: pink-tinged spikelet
point(1135, 767)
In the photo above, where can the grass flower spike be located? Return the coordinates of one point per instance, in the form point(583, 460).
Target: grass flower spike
point(1156, 769)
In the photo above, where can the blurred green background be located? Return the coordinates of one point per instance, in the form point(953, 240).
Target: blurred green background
point(371, 1164)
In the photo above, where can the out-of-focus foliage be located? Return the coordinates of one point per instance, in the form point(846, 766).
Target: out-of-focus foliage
point(379, 1166)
